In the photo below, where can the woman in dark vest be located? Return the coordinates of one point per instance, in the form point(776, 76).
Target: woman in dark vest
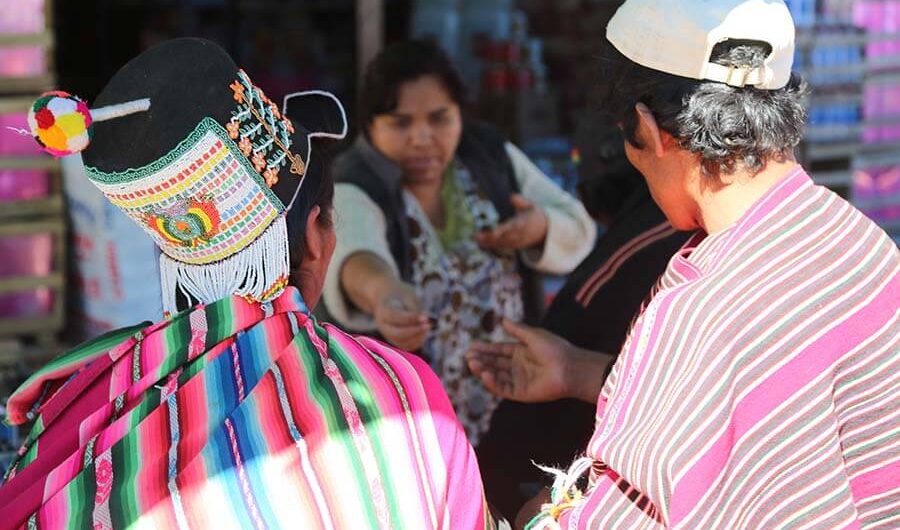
point(442, 225)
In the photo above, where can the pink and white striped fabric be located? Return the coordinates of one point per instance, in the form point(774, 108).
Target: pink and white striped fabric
point(760, 388)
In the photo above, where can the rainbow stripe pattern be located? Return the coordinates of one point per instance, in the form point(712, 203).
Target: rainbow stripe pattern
point(240, 415)
point(192, 223)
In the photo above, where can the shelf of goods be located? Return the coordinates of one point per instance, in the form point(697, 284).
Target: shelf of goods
point(853, 137)
point(32, 219)
point(32, 215)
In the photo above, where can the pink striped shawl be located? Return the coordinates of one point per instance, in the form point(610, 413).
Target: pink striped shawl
point(760, 388)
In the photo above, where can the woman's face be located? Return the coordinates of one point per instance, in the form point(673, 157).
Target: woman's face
point(422, 133)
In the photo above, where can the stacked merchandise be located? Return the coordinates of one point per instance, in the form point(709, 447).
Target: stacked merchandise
point(832, 58)
point(850, 53)
point(830, 54)
point(876, 182)
point(31, 214)
point(502, 64)
point(32, 225)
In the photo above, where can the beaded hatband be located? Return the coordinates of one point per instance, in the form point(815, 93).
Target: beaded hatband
point(208, 205)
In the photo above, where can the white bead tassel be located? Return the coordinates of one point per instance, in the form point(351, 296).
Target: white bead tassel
point(251, 272)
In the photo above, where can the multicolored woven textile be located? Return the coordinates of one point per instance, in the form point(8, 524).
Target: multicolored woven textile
point(240, 415)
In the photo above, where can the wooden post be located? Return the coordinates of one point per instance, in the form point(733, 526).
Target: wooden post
point(369, 33)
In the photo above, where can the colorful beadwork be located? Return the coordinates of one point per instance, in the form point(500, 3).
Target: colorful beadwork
point(189, 223)
point(61, 123)
point(201, 203)
point(262, 133)
point(208, 203)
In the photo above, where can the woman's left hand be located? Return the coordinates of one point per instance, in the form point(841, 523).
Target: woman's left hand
point(526, 229)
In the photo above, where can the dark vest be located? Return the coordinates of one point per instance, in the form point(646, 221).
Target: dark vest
point(482, 150)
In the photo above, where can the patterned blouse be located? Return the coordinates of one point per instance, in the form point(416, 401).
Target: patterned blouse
point(467, 291)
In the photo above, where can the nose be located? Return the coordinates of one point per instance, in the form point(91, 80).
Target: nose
point(421, 135)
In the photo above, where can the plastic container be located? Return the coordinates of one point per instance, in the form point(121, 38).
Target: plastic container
point(26, 255)
point(438, 20)
point(483, 21)
point(26, 17)
point(876, 192)
point(18, 184)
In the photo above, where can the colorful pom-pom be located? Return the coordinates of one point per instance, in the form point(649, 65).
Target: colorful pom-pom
point(61, 123)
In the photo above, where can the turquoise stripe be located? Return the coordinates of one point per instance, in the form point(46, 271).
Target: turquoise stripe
point(254, 453)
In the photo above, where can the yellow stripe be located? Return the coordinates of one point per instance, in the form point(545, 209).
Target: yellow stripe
point(204, 218)
point(232, 249)
point(164, 194)
point(161, 229)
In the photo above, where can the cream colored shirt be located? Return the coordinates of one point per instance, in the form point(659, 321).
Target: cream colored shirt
point(361, 227)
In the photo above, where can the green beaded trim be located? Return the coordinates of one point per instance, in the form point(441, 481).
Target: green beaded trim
point(206, 125)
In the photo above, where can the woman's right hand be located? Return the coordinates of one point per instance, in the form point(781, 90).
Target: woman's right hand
point(538, 367)
point(372, 285)
point(399, 317)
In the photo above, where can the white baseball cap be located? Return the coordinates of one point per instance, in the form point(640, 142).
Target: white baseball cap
point(678, 37)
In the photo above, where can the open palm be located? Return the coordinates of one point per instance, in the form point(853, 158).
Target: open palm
point(531, 370)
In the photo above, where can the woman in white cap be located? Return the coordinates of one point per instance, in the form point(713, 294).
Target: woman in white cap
point(759, 386)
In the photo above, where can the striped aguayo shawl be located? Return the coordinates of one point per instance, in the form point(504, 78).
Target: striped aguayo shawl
point(240, 415)
point(760, 388)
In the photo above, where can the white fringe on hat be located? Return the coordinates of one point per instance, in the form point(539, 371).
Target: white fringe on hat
point(256, 272)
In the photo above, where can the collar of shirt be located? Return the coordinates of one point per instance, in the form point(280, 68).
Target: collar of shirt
point(703, 253)
point(380, 164)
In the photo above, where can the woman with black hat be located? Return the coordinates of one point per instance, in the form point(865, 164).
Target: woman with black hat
point(242, 411)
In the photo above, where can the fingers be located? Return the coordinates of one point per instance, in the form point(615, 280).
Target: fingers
point(493, 365)
point(403, 328)
point(497, 382)
point(407, 299)
point(402, 318)
point(491, 349)
point(489, 362)
point(507, 235)
point(521, 203)
point(525, 229)
point(520, 332)
point(407, 338)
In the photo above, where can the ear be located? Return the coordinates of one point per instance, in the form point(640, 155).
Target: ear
point(650, 132)
point(315, 238)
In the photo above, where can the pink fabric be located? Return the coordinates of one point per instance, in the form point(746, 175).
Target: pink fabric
point(759, 387)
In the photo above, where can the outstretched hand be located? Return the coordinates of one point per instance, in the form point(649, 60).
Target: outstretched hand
point(400, 318)
point(539, 367)
point(526, 229)
point(530, 370)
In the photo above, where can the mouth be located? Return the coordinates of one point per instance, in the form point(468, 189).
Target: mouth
point(422, 163)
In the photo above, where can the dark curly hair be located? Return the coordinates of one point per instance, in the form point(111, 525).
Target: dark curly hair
point(728, 127)
point(399, 63)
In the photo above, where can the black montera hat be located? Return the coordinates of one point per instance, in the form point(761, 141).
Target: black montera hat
point(209, 167)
